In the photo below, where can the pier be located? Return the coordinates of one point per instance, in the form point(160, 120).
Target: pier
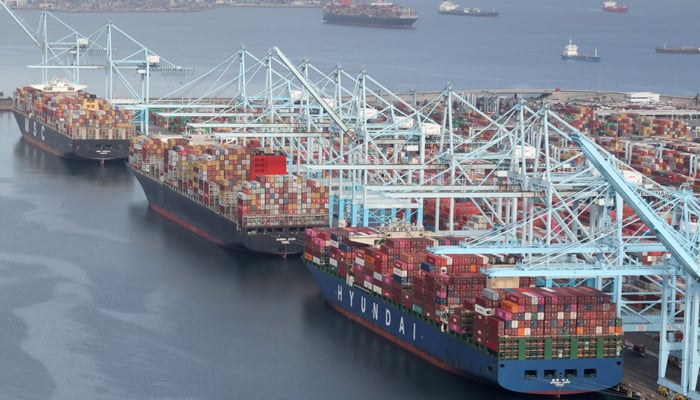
point(6, 104)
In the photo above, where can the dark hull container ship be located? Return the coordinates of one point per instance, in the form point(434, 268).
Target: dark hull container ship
point(525, 339)
point(209, 190)
point(380, 14)
point(65, 121)
point(678, 50)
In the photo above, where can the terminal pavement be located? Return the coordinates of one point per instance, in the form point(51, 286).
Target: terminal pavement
point(641, 373)
point(6, 104)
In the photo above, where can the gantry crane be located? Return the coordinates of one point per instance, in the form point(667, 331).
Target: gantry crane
point(67, 53)
point(604, 247)
point(548, 201)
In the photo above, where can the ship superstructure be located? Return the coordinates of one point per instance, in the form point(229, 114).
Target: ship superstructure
point(449, 8)
point(571, 53)
point(613, 7)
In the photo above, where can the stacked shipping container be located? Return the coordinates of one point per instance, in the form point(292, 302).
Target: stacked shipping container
point(77, 114)
point(508, 316)
point(226, 179)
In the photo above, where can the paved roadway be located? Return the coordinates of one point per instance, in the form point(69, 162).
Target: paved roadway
point(641, 372)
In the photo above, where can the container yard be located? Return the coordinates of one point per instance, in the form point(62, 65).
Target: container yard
point(67, 121)
point(556, 227)
point(233, 195)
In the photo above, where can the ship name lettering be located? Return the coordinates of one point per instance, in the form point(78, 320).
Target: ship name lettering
point(387, 317)
point(352, 294)
point(375, 311)
point(340, 293)
point(363, 304)
point(402, 328)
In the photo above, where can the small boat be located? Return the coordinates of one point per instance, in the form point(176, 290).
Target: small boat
point(571, 53)
point(612, 6)
point(449, 8)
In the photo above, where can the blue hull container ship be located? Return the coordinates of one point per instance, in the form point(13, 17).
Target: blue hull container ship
point(528, 340)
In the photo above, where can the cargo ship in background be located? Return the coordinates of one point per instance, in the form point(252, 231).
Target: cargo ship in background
point(450, 8)
point(501, 331)
point(678, 50)
point(379, 14)
point(232, 195)
point(571, 53)
point(63, 119)
point(613, 7)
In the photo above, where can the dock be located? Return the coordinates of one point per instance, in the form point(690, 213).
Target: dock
point(639, 381)
point(6, 104)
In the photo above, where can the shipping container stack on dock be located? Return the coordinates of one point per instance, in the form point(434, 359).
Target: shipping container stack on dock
point(555, 333)
point(658, 147)
point(249, 189)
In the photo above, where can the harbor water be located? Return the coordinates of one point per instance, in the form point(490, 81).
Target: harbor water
point(104, 299)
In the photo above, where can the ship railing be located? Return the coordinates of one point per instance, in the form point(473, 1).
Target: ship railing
point(283, 220)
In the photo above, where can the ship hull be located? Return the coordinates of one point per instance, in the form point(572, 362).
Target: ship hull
point(51, 140)
point(581, 58)
point(671, 50)
point(216, 228)
point(359, 20)
point(454, 354)
point(470, 14)
point(618, 10)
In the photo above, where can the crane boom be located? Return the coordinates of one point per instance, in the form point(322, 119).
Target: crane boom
point(314, 93)
point(670, 238)
point(32, 35)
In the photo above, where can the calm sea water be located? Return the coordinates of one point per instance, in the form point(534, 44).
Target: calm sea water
point(519, 49)
point(102, 299)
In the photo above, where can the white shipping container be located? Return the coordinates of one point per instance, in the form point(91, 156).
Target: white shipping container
point(483, 310)
point(400, 272)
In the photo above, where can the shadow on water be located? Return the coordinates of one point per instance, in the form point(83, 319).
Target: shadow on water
point(153, 230)
point(30, 159)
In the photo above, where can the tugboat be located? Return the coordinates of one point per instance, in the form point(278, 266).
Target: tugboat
point(611, 6)
point(450, 8)
point(571, 53)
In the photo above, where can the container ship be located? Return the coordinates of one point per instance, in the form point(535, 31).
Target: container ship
point(678, 50)
point(501, 331)
point(450, 8)
point(379, 14)
point(571, 53)
point(232, 195)
point(613, 7)
point(68, 122)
